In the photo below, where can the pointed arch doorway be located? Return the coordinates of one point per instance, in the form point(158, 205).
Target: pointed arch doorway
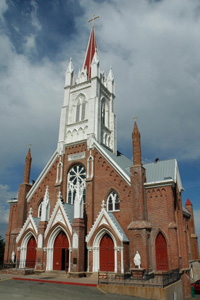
point(161, 253)
point(61, 252)
point(31, 253)
point(107, 254)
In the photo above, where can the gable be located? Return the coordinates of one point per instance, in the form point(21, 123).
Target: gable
point(31, 223)
point(62, 213)
point(108, 219)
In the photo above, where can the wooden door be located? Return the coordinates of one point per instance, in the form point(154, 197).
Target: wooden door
point(31, 253)
point(107, 254)
point(161, 253)
point(60, 254)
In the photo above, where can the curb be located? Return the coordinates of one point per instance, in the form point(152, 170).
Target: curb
point(55, 281)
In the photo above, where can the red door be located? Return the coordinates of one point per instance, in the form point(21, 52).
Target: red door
point(161, 253)
point(31, 253)
point(61, 252)
point(107, 254)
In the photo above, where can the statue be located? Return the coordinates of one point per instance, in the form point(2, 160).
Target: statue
point(137, 260)
point(13, 257)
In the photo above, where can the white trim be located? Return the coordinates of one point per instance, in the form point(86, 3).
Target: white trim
point(160, 183)
point(23, 249)
point(42, 175)
point(30, 220)
point(50, 246)
point(97, 224)
point(52, 218)
point(96, 245)
point(113, 163)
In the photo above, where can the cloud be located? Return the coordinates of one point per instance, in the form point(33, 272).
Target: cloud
point(153, 49)
point(3, 8)
point(5, 195)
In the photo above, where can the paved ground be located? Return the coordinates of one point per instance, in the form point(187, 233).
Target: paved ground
point(18, 289)
point(41, 287)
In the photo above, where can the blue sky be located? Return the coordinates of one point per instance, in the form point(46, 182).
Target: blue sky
point(153, 48)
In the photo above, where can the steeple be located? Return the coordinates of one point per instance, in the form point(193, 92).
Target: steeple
point(92, 45)
point(27, 168)
point(136, 145)
point(88, 107)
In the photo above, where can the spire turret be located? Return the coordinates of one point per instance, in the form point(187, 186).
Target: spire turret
point(92, 45)
point(27, 168)
point(136, 145)
point(69, 75)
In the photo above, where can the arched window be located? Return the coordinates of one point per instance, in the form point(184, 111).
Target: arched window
point(103, 113)
point(76, 180)
point(40, 210)
point(80, 108)
point(113, 203)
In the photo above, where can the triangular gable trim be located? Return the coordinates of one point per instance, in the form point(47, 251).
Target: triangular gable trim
point(58, 207)
point(103, 214)
point(113, 163)
point(30, 220)
point(42, 175)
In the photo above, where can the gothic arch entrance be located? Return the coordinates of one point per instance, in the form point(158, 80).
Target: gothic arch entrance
point(61, 252)
point(31, 253)
point(161, 253)
point(107, 254)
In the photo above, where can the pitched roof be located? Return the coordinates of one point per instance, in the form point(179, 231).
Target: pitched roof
point(69, 209)
point(125, 239)
point(92, 45)
point(188, 202)
point(156, 172)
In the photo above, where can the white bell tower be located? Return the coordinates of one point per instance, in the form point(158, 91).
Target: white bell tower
point(88, 108)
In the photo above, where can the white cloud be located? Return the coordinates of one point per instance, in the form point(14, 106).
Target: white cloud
point(3, 8)
point(29, 44)
point(154, 52)
point(5, 195)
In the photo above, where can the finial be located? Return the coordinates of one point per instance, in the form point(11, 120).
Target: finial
point(29, 146)
point(103, 205)
point(135, 118)
point(31, 211)
point(59, 195)
point(93, 18)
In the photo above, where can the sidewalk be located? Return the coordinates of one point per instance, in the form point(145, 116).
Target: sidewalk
point(52, 277)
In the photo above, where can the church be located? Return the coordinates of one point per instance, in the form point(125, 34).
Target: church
point(92, 209)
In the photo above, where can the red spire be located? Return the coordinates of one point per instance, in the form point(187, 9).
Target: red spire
point(27, 168)
point(188, 202)
point(92, 45)
point(137, 160)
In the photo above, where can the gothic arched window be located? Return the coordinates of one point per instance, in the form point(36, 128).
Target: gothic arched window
point(40, 210)
point(76, 180)
point(105, 113)
point(113, 203)
point(80, 108)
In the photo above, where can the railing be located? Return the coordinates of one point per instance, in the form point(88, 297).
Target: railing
point(7, 265)
point(159, 280)
point(18, 265)
point(25, 264)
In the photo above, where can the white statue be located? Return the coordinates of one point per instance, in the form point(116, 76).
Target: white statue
point(13, 256)
point(137, 260)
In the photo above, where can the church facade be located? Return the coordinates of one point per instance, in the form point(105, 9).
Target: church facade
point(92, 209)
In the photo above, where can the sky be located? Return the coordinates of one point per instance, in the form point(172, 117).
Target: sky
point(153, 48)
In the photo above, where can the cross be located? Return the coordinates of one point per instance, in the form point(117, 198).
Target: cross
point(93, 18)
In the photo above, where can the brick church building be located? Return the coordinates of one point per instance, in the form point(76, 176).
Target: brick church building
point(92, 208)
